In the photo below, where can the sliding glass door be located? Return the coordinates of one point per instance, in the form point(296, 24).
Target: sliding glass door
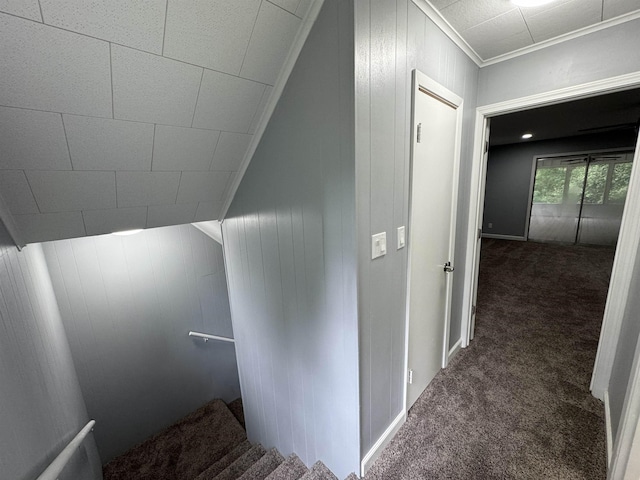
point(579, 199)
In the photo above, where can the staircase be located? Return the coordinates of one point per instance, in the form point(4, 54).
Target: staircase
point(210, 444)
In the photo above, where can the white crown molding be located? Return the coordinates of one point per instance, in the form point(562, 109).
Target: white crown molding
point(612, 22)
point(436, 17)
point(299, 41)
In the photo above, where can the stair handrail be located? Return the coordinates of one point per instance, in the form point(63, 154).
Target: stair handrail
point(55, 468)
point(206, 337)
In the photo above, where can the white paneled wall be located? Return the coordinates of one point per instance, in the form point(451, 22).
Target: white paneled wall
point(118, 115)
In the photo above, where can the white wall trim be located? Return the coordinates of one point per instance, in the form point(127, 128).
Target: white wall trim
point(608, 428)
point(517, 238)
point(453, 351)
point(436, 17)
point(382, 442)
point(584, 90)
point(621, 274)
point(612, 22)
point(625, 462)
point(211, 228)
point(290, 62)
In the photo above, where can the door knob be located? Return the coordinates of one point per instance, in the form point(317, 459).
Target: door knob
point(448, 268)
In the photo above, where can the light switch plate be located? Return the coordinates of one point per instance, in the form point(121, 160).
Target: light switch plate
point(401, 238)
point(378, 245)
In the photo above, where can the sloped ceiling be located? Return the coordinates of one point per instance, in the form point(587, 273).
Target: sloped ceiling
point(497, 27)
point(122, 114)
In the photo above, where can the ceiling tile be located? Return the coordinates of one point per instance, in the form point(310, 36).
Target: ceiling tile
point(98, 222)
point(43, 227)
point(303, 8)
point(208, 211)
point(146, 188)
point(211, 33)
point(148, 88)
point(261, 108)
point(615, 8)
point(227, 103)
point(440, 4)
point(102, 144)
point(177, 148)
point(563, 18)
point(22, 8)
point(57, 191)
point(32, 140)
point(500, 35)
point(16, 192)
point(270, 43)
point(289, 5)
point(465, 14)
point(202, 187)
point(135, 24)
point(46, 68)
point(530, 11)
point(164, 215)
point(230, 151)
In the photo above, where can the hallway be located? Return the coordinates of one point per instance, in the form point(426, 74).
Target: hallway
point(516, 403)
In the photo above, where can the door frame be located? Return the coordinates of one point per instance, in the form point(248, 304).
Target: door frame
point(628, 244)
point(419, 79)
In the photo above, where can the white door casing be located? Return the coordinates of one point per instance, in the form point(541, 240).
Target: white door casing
point(435, 157)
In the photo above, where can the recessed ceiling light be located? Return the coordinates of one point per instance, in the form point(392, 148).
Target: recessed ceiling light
point(526, 136)
point(530, 3)
point(128, 232)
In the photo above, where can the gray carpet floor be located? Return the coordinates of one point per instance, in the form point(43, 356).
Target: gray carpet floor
point(516, 404)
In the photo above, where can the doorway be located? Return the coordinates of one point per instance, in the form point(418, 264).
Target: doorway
point(623, 267)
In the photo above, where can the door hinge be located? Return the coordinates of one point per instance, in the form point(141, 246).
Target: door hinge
point(479, 233)
point(410, 377)
point(486, 146)
point(473, 310)
point(419, 134)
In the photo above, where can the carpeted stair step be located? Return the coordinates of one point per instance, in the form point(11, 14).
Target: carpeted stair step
point(238, 411)
point(319, 471)
point(291, 469)
point(225, 461)
point(263, 467)
point(242, 464)
point(183, 450)
point(352, 476)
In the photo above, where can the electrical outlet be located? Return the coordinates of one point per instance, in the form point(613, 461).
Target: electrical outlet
point(378, 245)
point(401, 237)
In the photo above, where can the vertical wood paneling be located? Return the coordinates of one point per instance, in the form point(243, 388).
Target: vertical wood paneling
point(128, 304)
point(42, 405)
point(292, 302)
point(392, 39)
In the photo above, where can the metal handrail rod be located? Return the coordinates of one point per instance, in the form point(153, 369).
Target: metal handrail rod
point(55, 468)
point(206, 337)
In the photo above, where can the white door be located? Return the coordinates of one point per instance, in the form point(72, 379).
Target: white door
point(437, 116)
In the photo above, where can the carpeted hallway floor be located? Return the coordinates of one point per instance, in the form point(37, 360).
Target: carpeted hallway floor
point(516, 403)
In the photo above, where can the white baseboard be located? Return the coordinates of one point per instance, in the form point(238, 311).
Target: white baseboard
point(607, 423)
point(382, 442)
point(453, 351)
point(504, 237)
